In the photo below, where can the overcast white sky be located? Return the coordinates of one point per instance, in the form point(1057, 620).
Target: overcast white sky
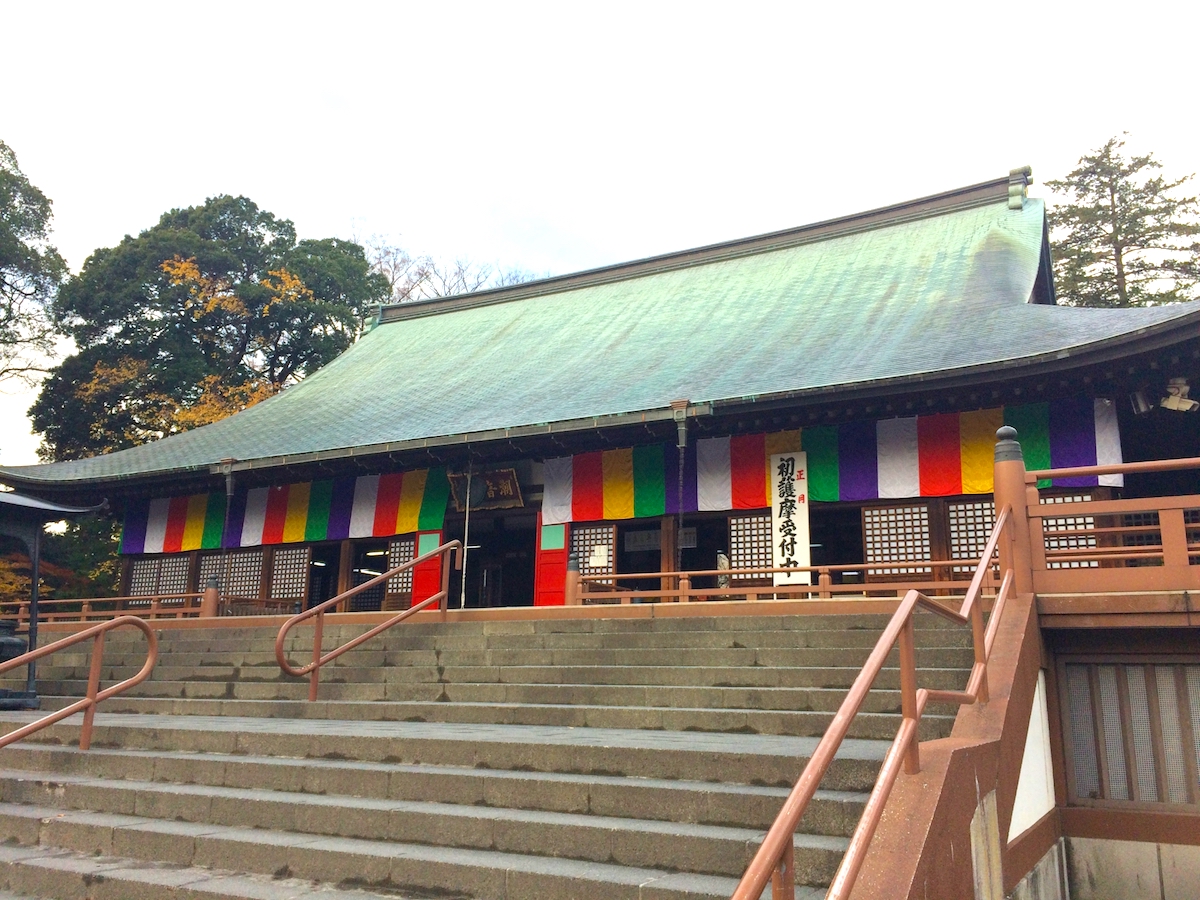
point(561, 136)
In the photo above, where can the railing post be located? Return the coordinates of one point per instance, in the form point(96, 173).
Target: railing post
point(314, 677)
point(908, 694)
point(1173, 534)
point(685, 585)
point(1009, 481)
point(93, 688)
point(783, 879)
point(442, 604)
point(572, 587)
point(211, 601)
point(824, 582)
point(977, 638)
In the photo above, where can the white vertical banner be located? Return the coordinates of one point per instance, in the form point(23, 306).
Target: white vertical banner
point(789, 516)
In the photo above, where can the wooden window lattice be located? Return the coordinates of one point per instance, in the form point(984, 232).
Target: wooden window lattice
point(970, 527)
point(1057, 536)
point(1191, 519)
point(750, 545)
point(1142, 538)
point(896, 534)
point(239, 574)
point(143, 577)
point(591, 544)
point(1133, 732)
point(210, 566)
point(289, 573)
point(156, 575)
point(400, 551)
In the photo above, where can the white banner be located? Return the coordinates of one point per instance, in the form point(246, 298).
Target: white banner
point(789, 516)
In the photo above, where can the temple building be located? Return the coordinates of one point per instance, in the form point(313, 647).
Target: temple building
point(629, 415)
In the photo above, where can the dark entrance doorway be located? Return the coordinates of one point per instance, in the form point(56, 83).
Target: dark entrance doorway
point(500, 559)
point(323, 573)
point(369, 561)
point(836, 537)
point(639, 549)
point(712, 535)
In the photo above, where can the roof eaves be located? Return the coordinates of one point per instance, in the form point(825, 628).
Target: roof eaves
point(1150, 338)
point(14, 476)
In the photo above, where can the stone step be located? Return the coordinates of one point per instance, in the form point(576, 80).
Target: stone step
point(482, 683)
point(704, 849)
point(393, 868)
point(696, 802)
point(172, 665)
point(831, 674)
point(44, 872)
point(769, 698)
point(749, 721)
point(262, 651)
point(618, 622)
point(696, 756)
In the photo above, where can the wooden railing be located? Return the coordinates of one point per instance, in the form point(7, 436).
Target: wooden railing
point(1114, 546)
point(94, 694)
point(774, 860)
point(313, 669)
point(99, 609)
point(879, 579)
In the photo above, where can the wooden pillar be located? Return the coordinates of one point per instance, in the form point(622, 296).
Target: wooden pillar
point(1010, 491)
point(572, 586)
point(210, 602)
point(126, 575)
point(666, 555)
point(345, 576)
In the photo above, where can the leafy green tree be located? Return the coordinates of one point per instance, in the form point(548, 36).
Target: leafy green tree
point(214, 308)
point(1125, 235)
point(30, 271)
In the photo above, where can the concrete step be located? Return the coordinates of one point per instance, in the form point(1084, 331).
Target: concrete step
point(696, 802)
point(704, 849)
point(866, 725)
point(696, 756)
point(372, 865)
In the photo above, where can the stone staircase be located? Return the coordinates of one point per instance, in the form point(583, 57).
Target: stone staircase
point(507, 760)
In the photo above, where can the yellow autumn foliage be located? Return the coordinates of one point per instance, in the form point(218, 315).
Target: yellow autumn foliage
point(218, 400)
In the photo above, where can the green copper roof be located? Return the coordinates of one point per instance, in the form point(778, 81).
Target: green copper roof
point(888, 297)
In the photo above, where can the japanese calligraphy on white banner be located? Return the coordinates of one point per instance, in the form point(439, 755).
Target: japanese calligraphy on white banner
point(789, 516)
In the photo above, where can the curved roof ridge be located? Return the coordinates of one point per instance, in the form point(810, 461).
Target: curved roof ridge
point(983, 193)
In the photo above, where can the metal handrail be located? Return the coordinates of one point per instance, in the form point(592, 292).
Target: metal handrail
point(94, 694)
point(313, 669)
point(774, 860)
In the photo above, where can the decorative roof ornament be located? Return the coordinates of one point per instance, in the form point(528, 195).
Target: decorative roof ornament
point(1018, 186)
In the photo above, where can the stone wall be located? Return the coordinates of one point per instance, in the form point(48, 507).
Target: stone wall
point(1132, 870)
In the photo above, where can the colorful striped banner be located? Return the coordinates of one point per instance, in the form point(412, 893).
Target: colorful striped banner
point(367, 506)
point(720, 473)
point(951, 454)
point(921, 456)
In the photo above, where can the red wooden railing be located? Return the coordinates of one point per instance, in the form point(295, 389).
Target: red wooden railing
point(313, 669)
point(774, 860)
point(94, 694)
point(99, 609)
